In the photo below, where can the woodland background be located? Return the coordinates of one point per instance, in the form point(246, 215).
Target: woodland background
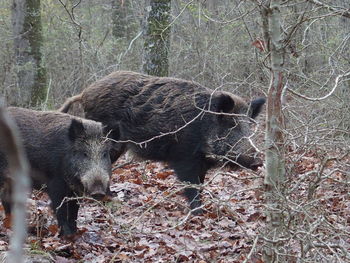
point(221, 44)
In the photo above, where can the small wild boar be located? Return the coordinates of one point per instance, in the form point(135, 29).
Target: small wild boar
point(172, 120)
point(67, 154)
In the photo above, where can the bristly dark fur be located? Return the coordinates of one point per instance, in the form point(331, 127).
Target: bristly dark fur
point(62, 151)
point(139, 108)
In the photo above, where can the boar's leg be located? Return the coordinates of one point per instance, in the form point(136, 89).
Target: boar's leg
point(6, 199)
point(191, 171)
point(117, 150)
point(6, 192)
point(68, 217)
point(66, 212)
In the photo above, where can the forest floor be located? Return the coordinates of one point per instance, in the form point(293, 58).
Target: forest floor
point(147, 219)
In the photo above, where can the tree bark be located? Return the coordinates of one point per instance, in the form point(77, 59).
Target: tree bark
point(157, 38)
point(28, 41)
point(18, 168)
point(274, 137)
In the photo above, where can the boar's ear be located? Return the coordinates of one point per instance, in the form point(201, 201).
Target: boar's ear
point(256, 106)
point(76, 129)
point(223, 103)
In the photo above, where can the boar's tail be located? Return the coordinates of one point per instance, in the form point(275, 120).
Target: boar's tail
point(69, 102)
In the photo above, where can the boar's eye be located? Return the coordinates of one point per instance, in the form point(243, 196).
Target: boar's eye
point(82, 154)
point(105, 155)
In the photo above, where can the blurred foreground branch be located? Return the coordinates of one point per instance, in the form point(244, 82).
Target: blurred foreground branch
point(18, 167)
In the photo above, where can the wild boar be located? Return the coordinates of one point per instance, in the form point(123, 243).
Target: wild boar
point(68, 154)
point(173, 120)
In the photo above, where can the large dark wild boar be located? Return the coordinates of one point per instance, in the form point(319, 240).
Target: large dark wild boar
point(181, 122)
point(67, 154)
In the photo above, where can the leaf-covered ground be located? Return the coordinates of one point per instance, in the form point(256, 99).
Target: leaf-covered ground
point(147, 219)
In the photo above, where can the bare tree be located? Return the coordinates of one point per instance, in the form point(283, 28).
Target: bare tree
point(282, 224)
point(18, 169)
point(157, 41)
point(28, 41)
point(275, 162)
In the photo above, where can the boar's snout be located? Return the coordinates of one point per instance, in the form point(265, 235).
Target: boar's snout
point(256, 164)
point(250, 162)
point(98, 190)
point(96, 183)
point(98, 195)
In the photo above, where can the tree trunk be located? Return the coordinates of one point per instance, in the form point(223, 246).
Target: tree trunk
point(275, 162)
point(157, 38)
point(31, 75)
point(121, 17)
point(18, 168)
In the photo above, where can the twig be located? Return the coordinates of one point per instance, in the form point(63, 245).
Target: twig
point(326, 96)
point(252, 250)
point(172, 22)
point(121, 165)
point(232, 20)
point(339, 10)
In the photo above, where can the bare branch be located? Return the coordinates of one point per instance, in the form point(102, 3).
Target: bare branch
point(175, 19)
point(232, 20)
point(339, 10)
point(326, 96)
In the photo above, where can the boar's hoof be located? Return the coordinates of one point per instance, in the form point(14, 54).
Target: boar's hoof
point(67, 231)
